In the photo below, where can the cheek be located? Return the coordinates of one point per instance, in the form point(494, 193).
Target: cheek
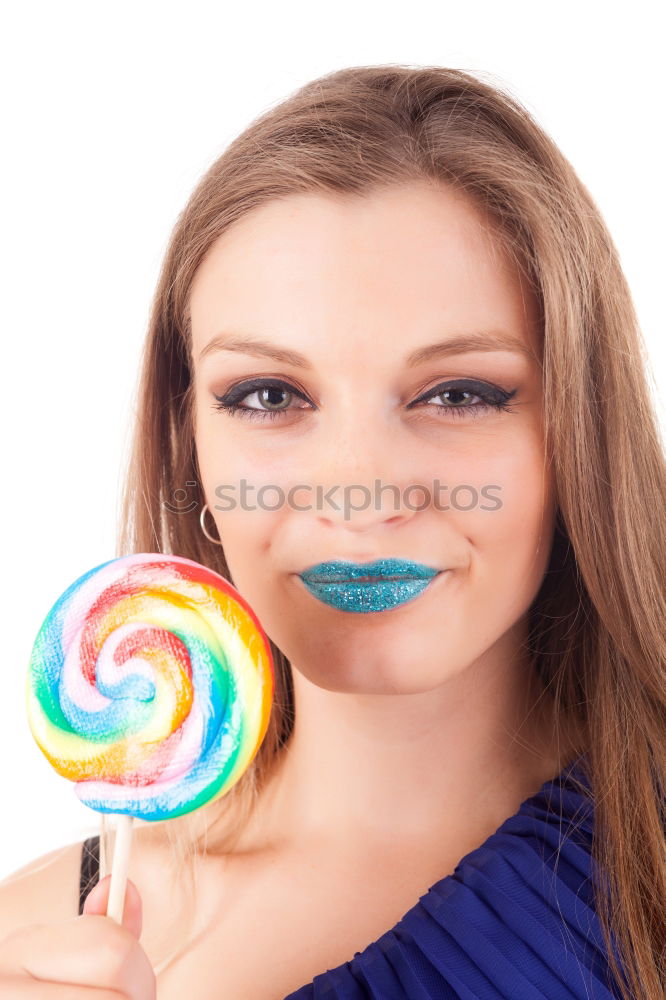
point(229, 453)
point(511, 541)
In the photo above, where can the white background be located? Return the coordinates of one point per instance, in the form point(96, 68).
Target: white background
point(110, 115)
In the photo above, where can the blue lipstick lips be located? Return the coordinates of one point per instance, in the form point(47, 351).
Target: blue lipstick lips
point(363, 587)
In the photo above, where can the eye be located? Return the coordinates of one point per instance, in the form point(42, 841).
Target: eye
point(457, 398)
point(268, 392)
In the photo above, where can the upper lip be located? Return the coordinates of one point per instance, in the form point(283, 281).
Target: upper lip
point(339, 570)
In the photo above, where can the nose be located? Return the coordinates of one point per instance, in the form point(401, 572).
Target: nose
point(366, 479)
point(360, 511)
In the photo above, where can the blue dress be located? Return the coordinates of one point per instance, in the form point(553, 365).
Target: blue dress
point(515, 920)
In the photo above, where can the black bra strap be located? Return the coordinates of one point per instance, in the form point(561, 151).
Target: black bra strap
point(89, 869)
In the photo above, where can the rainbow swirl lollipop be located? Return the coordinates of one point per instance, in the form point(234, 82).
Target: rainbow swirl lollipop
point(150, 685)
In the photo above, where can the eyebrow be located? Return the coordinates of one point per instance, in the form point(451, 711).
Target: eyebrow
point(490, 341)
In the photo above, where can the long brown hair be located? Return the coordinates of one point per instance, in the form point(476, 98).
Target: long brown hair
point(596, 627)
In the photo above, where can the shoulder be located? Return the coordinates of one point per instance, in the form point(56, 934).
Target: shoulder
point(518, 910)
point(45, 889)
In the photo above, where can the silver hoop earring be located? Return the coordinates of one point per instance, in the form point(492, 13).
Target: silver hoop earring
point(215, 541)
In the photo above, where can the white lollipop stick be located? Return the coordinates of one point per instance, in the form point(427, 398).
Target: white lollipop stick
point(121, 853)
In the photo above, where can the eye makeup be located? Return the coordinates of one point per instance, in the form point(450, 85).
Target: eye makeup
point(456, 393)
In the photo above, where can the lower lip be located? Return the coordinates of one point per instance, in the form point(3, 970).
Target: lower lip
point(364, 597)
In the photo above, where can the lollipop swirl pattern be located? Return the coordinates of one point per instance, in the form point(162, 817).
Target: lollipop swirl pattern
point(150, 686)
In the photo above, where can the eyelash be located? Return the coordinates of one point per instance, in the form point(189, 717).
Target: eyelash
point(493, 398)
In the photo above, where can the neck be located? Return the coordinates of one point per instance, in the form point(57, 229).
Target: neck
point(411, 769)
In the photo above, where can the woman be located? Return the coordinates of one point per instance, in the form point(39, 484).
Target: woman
point(461, 791)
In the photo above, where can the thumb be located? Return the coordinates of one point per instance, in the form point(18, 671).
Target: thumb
point(98, 898)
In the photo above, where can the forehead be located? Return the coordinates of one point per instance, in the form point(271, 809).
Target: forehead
point(406, 255)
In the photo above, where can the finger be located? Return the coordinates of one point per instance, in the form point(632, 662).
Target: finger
point(88, 950)
point(24, 989)
point(98, 898)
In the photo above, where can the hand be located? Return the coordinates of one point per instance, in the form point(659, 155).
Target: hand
point(89, 957)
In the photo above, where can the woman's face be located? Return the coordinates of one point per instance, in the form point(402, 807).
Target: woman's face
point(390, 450)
